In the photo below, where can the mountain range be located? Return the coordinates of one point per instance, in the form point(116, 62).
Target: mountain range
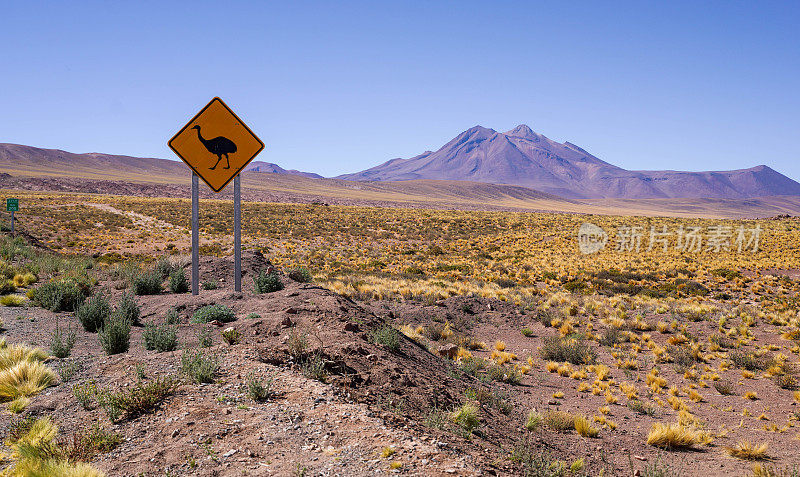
point(524, 158)
point(519, 157)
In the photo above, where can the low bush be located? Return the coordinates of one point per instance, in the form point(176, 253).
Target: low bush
point(127, 309)
point(173, 318)
point(503, 374)
point(300, 274)
point(67, 370)
point(749, 361)
point(204, 339)
point(209, 313)
point(163, 267)
point(258, 390)
point(137, 400)
point(146, 282)
point(724, 387)
point(267, 282)
point(115, 335)
point(160, 337)
point(640, 407)
point(570, 350)
point(387, 336)
point(198, 367)
point(94, 312)
point(85, 393)
point(60, 295)
point(178, 282)
point(313, 367)
point(209, 285)
point(89, 442)
point(61, 342)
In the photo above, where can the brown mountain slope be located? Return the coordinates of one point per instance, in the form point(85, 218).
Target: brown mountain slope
point(27, 161)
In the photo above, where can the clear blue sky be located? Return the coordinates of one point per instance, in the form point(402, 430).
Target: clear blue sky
point(336, 87)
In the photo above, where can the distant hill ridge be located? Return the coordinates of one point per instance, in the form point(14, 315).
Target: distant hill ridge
point(523, 157)
point(17, 159)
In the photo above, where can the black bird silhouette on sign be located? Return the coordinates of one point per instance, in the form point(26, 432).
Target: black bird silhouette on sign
point(219, 146)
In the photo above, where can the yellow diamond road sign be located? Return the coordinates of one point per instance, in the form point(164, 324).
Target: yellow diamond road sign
point(216, 144)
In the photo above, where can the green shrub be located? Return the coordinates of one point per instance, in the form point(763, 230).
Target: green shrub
point(178, 282)
point(260, 391)
point(210, 285)
point(90, 442)
point(137, 400)
point(252, 316)
point(749, 361)
point(115, 335)
point(85, 393)
point(163, 267)
point(127, 309)
point(172, 317)
point(504, 374)
point(267, 282)
point(147, 282)
point(313, 367)
point(724, 387)
point(527, 332)
point(94, 312)
point(160, 337)
point(67, 370)
point(60, 295)
point(210, 313)
point(640, 407)
point(574, 351)
point(61, 342)
point(198, 367)
point(387, 336)
point(204, 339)
point(300, 274)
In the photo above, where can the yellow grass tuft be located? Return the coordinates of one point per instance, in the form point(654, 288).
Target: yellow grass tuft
point(747, 451)
point(26, 378)
point(584, 428)
point(673, 436)
point(500, 345)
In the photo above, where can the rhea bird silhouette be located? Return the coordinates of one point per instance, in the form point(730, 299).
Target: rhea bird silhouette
point(219, 146)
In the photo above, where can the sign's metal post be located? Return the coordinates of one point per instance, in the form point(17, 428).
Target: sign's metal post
point(195, 234)
point(12, 222)
point(237, 232)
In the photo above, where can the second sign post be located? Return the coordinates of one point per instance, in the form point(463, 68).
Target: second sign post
point(217, 146)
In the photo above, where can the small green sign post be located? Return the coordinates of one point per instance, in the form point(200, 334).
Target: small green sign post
point(12, 205)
